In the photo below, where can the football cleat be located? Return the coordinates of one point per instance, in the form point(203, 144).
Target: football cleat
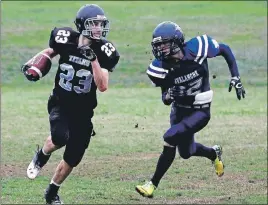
point(53, 200)
point(218, 163)
point(36, 164)
point(146, 190)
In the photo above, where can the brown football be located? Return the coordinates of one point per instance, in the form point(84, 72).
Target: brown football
point(40, 65)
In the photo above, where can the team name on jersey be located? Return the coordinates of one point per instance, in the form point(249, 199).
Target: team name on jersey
point(78, 60)
point(186, 78)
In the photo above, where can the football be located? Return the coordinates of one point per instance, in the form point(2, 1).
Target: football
point(39, 65)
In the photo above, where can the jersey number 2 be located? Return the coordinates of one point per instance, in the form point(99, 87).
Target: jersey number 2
point(194, 87)
point(84, 85)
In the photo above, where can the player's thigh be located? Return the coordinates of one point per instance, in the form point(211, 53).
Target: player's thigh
point(175, 115)
point(192, 122)
point(79, 139)
point(196, 121)
point(58, 120)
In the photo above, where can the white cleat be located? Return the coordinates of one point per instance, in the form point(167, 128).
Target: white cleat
point(33, 169)
point(36, 164)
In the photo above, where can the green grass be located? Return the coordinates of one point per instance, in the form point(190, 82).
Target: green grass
point(121, 156)
point(26, 28)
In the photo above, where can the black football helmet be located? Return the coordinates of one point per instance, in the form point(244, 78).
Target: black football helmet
point(170, 34)
point(86, 19)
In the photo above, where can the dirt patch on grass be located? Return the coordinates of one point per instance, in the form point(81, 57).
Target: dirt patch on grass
point(95, 165)
point(19, 170)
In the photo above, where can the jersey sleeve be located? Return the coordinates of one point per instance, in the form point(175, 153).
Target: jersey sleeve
point(200, 48)
point(157, 73)
point(109, 56)
point(61, 39)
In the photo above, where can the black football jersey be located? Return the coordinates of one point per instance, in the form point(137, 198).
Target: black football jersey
point(74, 82)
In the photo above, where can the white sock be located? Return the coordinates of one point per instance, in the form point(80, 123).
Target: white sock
point(52, 182)
point(44, 152)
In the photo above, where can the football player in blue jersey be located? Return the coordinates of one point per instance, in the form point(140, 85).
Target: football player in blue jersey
point(181, 70)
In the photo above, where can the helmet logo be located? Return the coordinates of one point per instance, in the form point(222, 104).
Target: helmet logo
point(157, 39)
point(101, 17)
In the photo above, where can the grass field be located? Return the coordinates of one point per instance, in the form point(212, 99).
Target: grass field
point(122, 155)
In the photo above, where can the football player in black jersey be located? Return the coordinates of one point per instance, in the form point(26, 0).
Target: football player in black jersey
point(85, 59)
point(181, 70)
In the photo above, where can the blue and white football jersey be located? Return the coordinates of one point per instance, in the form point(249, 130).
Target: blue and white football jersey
point(190, 74)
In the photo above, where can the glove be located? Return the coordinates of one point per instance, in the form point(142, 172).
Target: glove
point(29, 76)
point(87, 52)
point(169, 95)
point(175, 91)
point(236, 83)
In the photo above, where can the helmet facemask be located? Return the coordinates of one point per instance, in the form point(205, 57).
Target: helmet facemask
point(96, 27)
point(163, 49)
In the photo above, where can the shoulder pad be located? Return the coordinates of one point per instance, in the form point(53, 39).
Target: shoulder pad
point(200, 48)
point(62, 38)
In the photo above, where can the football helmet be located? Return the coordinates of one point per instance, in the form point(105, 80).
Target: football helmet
point(168, 39)
point(91, 22)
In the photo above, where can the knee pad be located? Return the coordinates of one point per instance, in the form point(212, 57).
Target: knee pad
point(59, 136)
point(75, 150)
point(72, 161)
point(73, 158)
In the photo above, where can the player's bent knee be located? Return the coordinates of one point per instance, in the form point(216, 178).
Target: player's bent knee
point(59, 138)
point(185, 155)
point(73, 159)
point(74, 152)
point(71, 162)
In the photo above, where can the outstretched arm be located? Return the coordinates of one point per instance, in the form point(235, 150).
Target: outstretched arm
point(226, 52)
point(202, 47)
point(50, 52)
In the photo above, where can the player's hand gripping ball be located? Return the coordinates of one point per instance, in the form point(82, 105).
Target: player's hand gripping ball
point(37, 67)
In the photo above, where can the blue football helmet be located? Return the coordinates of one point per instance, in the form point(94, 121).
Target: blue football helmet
point(89, 19)
point(171, 36)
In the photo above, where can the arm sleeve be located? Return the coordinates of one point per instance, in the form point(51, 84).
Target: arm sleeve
point(202, 47)
point(228, 55)
point(62, 39)
point(156, 73)
point(110, 62)
point(52, 42)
